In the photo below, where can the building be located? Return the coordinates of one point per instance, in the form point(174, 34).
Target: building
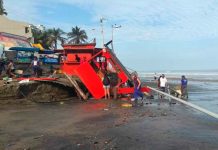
point(14, 34)
point(15, 27)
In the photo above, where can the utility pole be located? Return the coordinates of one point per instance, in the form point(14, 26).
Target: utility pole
point(112, 34)
point(102, 29)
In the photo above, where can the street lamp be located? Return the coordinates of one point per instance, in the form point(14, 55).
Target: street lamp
point(112, 35)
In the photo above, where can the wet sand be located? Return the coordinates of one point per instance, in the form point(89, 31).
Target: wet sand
point(105, 125)
point(203, 94)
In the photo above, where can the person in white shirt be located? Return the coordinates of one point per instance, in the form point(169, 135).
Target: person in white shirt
point(35, 65)
point(163, 83)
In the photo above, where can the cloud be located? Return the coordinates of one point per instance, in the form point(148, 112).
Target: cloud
point(141, 20)
point(169, 27)
point(23, 10)
point(185, 19)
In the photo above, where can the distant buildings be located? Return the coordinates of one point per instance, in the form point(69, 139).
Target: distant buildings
point(14, 33)
point(15, 27)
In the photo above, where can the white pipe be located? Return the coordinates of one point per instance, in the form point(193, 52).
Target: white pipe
point(187, 103)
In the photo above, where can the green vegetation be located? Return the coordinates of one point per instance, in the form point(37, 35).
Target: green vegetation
point(55, 35)
point(2, 10)
point(43, 38)
point(49, 38)
point(77, 36)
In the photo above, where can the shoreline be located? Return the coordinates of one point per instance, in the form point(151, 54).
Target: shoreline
point(178, 79)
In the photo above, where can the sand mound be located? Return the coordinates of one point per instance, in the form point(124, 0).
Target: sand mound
point(34, 92)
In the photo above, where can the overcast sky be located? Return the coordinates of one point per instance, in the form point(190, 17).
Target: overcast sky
point(155, 34)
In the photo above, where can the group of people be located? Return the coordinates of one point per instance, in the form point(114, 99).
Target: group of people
point(162, 84)
point(10, 67)
point(110, 82)
point(107, 85)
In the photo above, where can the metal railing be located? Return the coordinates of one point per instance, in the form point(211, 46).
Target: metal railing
point(212, 114)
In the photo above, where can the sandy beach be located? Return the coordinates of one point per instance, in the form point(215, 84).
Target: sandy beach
point(105, 125)
point(58, 62)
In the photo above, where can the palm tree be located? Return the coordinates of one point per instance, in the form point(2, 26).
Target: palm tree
point(77, 36)
point(56, 35)
point(43, 38)
point(2, 10)
point(49, 38)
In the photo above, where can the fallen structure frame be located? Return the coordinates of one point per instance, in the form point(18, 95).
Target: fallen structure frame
point(88, 63)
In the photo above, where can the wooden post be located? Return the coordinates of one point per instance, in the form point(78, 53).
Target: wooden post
point(78, 89)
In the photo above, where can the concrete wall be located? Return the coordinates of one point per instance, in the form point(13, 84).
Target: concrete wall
point(15, 27)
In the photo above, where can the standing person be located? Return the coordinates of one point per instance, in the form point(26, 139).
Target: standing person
point(114, 82)
point(77, 58)
point(158, 82)
point(163, 82)
point(155, 76)
point(2, 65)
point(105, 64)
point(137, 89)
point(10, 69)
point(184, 90)
point(35, 65)
point(100, 64)
point(158, 85)
point(106, 85)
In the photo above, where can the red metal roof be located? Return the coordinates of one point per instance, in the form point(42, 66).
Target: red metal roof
point(79, 46)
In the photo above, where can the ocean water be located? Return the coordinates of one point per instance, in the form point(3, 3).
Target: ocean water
point(202, 86)
point(194, 75)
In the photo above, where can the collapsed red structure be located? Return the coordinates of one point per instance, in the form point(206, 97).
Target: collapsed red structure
point(86, 62)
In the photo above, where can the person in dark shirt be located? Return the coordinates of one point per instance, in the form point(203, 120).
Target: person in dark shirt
point(184, 90)
point(106, 85)
point(77, 58)
point(2, 65)
point(10, 69)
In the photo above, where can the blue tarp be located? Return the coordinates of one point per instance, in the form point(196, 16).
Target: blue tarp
point(49, 60)
point(45, 51)
point(25, 49)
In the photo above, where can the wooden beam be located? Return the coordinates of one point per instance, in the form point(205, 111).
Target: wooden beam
point(78, 89)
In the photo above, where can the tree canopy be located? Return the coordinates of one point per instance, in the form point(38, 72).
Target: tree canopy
point(77, 36)
point(2, 10)
point(55, 36)
point(49, 38)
